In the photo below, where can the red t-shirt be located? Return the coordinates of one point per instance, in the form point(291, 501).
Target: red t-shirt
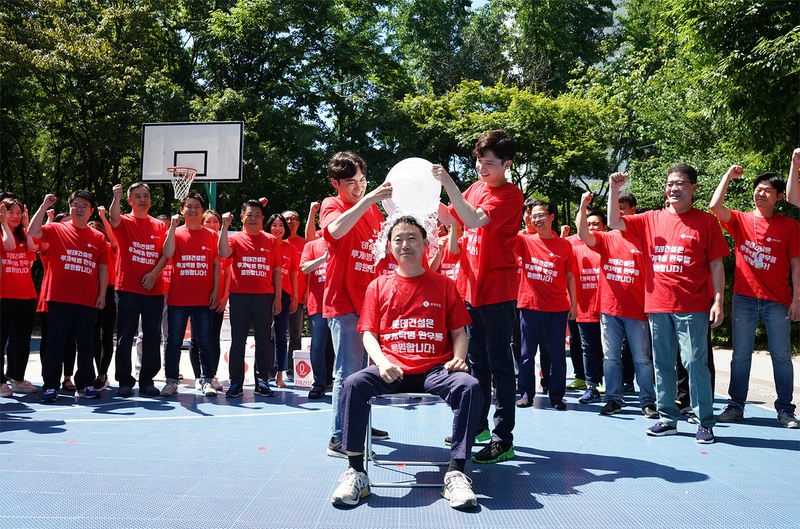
point(412, 317)
point(316, 279)
point(192, 267)
point(677, 250)
point(75, 256)
point(351, 265)
point(545, 262)
point(764, 249)
point(587, 280)
point(621, 275)
point(489, 266)
point(16, 281)
point(290, 262)
point(140, 242)
point(299, 243)
point(166, 274)
point(112, 265)
point(254, 258)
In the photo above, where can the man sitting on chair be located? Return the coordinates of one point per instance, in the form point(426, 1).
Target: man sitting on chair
point(413, 321)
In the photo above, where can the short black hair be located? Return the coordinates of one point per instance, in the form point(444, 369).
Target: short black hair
point(85, 195)
point(346, 164)
point(499, 142)
point(774, 180)
point(597, 213)
point(551, 209)
point(252, 204)
point(407, 219)
point(192, 194)
point(688, 170)
point(626, 197)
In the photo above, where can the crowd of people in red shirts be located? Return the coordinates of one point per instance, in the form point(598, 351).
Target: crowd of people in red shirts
point(653, 285)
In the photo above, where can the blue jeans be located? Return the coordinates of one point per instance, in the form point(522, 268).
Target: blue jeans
point(130, 307)
point(319, 342)
point(614, 330)
point(489, 352)
point(554, 325)
point(349, 357)
point(177, 317)
point(688, 332)
point(592, 348)
point(746, 313)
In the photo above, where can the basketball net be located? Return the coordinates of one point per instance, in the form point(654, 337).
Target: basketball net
point(181, 178)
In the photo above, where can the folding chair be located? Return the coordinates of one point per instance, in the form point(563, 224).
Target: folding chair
point(369, 455)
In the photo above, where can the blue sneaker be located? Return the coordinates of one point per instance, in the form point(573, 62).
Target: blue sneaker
point(589, 396)
point(660, 429)
point(704, 435)
point(87, 393)
point(50, 395)
point(263, 389)
point(235, 390)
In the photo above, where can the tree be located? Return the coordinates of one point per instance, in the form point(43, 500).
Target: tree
point(562, 142)
point(79, 79)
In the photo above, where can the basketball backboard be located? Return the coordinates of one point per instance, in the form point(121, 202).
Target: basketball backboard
point(214, 148)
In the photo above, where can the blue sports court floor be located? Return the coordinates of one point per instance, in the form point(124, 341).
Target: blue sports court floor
point(254, 462)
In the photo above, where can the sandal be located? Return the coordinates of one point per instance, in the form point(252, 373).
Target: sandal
point(68, 385)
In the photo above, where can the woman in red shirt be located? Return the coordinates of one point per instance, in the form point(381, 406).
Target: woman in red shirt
point(17, 298)
point(290, 264)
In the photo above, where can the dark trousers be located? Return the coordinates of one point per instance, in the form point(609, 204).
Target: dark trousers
point(575, 350)
point(280, 324)
point(295, 332)
point(246, 308)
point(489, 353)
point(61, 318)
point(194, 351)
point(534, 325)
point(104, 333)
point(130, 307)
point(592, 346)
point(16, 327)
point(459, 390)
point(69, 352)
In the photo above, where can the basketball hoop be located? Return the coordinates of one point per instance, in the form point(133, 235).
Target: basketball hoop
point(181, 178)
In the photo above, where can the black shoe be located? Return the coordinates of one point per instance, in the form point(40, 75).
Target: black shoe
point(316, 393)
point(560, 406)
point(494, 453)
point(263, 389)
point(650, 411)
point(150, 391)
point(124, 391)
point(481, 437)
point(379, 435)
point(610, 408)
point(235, 390)
point(335, 448)
point(524, 402)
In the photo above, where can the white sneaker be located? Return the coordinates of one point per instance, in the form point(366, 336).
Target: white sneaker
point(208, 390)
point(457, 488)
point(216, 385)
point(170, 389)
point(198, 384)
point(352, 487)
point(23, 386)
point(5, 391)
